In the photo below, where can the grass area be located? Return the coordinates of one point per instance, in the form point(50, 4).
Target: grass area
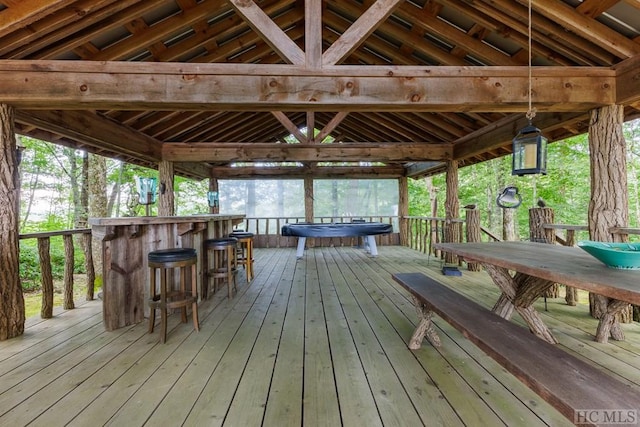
point(33, 300)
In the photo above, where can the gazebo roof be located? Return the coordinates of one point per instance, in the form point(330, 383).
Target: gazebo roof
point(402, 85)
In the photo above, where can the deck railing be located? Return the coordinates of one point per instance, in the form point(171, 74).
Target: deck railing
point(46, 275)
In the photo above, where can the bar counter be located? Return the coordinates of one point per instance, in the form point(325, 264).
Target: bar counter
point(125, 245)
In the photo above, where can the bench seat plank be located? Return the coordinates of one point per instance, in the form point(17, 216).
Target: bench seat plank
point(566, 382)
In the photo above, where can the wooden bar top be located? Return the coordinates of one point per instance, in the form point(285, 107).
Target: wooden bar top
point(569, 266)
point(149, 220)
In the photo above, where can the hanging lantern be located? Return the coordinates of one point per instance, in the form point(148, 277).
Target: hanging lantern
point(146, 190)
point(213, 199)
point(529, 152)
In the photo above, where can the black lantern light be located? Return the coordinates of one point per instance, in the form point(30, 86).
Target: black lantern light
point(529, 145)
point(529, 152)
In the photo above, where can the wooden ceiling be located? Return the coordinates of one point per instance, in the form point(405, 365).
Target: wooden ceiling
point(401, 86)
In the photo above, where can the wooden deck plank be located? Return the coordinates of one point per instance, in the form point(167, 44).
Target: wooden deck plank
point(357, 404)
point(219, 330)
point(284, 404)
point(394, 406)
point(332, 321)
point(320, 402)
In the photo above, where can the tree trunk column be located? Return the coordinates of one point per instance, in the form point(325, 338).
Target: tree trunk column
point(609, 199)
point(403, 210)
point(452, 230)
point(166, 199)
point(474, 234)
point(12, 313)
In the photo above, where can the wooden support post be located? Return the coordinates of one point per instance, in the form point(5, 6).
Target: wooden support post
point(609, 204)
point(403, 210)
point(474, 233)
point(12, 313)
point(166, 199)
point(452, 230)
point(308, 205)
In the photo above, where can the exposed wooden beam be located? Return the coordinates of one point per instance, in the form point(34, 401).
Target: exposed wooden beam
point(320, 172)
point(502, 132)
point(270, 152)
point(20, 13)
point(599, 34)
point(333, 123)
point(313, 33)
point(290, 126)
point(91, 129)
point(628, 81)
point(270, 32)
point(366, 24)
point(248, 87)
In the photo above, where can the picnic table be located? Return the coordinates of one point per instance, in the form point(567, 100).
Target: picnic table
point(536, 267)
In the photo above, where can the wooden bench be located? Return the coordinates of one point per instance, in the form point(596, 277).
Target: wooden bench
point(569, 384)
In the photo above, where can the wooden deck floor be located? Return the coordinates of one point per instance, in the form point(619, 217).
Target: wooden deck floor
point(319, 341)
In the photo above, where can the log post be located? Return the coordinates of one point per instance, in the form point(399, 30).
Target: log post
point(46, 277)
point(308, 205)
point(474, 234)
point(571, 293)
point(88, 266)
point(609, 204)
point(403, 210)
point(166, 199)
point(68, 271)
point(537, 233)
point(12, 314)
point(452, 230)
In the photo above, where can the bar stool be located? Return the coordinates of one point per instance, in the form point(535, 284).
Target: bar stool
point(245, 251)
point(225, 265)
point(165, 260)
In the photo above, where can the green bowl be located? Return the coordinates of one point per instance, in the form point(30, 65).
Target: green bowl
point(624, 256)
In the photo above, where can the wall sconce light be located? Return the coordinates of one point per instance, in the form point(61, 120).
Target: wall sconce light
point(19, 150)
point(146, 188)
point(213, 199)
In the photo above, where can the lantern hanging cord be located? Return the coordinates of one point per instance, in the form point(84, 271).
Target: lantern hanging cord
point(531, 113)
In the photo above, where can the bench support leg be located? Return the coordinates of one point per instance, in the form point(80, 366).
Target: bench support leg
point(300, 249)
point(424, 328)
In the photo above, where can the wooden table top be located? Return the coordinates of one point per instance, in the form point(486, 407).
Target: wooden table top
point(565, 265)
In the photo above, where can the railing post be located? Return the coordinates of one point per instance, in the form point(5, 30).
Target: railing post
point(46, 277)
point(68, 271)
point(88, 266)
point(472, 217)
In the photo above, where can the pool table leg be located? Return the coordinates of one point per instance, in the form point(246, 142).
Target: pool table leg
point(300, 251)
point(373, 249)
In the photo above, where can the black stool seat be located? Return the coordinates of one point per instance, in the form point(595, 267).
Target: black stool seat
point(223, 241)
point(172, 255)
point(240, 234)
